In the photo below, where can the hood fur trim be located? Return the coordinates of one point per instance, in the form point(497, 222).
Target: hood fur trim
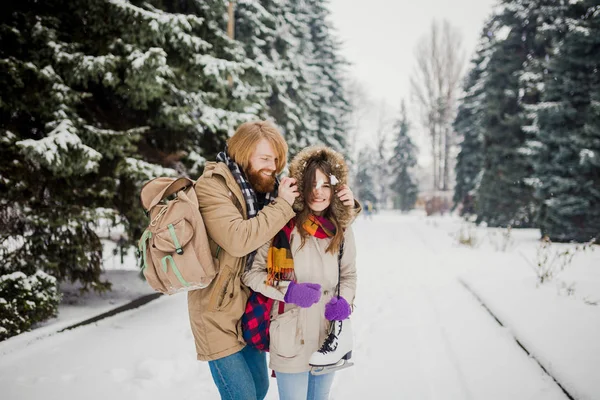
point(343, 214)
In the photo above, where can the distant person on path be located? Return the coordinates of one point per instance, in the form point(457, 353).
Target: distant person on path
point(368, 209)
point(243, 205)
point(300, 269)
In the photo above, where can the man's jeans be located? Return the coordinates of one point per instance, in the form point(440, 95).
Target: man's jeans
point(242, 375)
point(304, 386)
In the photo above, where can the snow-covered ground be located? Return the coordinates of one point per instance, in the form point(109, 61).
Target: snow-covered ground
point(420, 330)
point(75, 307)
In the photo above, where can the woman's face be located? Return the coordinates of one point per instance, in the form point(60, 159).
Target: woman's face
point(321, 194)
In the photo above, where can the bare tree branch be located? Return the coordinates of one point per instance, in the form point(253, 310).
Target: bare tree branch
point(435, 85)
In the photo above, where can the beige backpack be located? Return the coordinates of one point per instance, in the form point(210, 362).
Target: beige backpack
point(174, 249)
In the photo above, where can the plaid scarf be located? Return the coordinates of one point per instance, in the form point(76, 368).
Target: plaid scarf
point(253, 203)
point(280, 262)
point(319, 227)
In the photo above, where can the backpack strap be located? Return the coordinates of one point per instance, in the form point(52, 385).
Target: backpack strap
point(154, 191)
point(340, 254)
point(143, 246)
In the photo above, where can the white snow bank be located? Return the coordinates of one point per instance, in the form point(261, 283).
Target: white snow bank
point(561, 332)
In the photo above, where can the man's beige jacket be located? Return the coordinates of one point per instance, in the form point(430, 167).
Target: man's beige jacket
point(215, 311)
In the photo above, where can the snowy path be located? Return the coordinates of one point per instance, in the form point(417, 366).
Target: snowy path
point(418, 335)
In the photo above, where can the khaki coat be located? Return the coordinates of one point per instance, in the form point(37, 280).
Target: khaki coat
point(215, 311)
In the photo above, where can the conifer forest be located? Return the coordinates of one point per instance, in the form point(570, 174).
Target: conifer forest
point(99, 96)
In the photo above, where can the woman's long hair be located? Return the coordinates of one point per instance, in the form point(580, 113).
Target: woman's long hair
point(310, 173)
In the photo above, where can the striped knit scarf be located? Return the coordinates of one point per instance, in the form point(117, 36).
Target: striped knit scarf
point(280, 262)
point(253, 205)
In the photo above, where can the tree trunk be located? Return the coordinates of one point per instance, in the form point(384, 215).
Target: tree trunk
point(435, 84)
point(447, 155)
point(434, 156)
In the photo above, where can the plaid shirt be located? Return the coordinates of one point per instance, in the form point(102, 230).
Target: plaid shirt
point(253, 205)
point(256, 321)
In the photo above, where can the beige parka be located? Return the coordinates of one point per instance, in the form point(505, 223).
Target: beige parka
point(298, 332)
point(215, 311)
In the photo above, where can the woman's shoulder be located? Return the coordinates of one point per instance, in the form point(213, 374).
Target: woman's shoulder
point(349, 240)
point(348, 231)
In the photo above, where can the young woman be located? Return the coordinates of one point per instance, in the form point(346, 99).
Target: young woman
point(299, 269)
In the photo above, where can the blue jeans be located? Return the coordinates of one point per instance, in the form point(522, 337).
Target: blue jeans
point(242, 375)
point(304, 386)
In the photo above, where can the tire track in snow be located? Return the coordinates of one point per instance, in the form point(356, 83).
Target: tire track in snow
point(466, 290)
point(529, 354)
point(450, 353)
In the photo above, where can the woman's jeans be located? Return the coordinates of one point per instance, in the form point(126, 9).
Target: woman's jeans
point(242, 375)
point(304, 386)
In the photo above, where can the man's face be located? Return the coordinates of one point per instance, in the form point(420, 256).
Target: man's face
point(263, 164)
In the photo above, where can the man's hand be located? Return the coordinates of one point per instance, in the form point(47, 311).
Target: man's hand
point(346, 196)
point(288, 190)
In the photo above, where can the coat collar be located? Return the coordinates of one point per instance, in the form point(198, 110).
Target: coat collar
point(221, 169)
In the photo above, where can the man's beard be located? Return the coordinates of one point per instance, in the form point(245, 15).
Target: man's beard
point(260, 182)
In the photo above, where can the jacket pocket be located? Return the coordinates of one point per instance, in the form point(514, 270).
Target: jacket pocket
point(222, 292)
point(286, 334)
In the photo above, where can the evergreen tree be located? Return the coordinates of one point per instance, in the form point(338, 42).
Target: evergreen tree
point(297, 57)
point(332, 106)
point(90, 110)
point(293, 103)
point(505, 195)
point(568, 158)
point(259, 29)
point(467, 125)
point(365, 186)
point(276, 37)
point(402, 161)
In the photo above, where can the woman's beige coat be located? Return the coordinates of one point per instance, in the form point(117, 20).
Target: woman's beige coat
point(297, 333)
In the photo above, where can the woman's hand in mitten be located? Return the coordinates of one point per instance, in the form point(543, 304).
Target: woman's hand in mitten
point(337, 309)
point(303, 294)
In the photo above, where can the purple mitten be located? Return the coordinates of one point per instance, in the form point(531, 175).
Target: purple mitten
point(303, 294)
point(337, 309)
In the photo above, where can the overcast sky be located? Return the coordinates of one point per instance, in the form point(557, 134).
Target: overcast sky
point(379, 38)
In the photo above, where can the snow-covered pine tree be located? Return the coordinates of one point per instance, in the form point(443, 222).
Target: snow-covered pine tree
point(296, 55)
point(50, 187)
point(403, 160)
point(332, 104)
point(365, 185)
point(268, 31)
point(567, 165)
point(469, 165)
point(292, 103)
point(89, 110)
point(256, 28)
point(550, 19)
point(505, 195)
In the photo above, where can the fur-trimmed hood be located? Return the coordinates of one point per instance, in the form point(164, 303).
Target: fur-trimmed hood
point(343, 214)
